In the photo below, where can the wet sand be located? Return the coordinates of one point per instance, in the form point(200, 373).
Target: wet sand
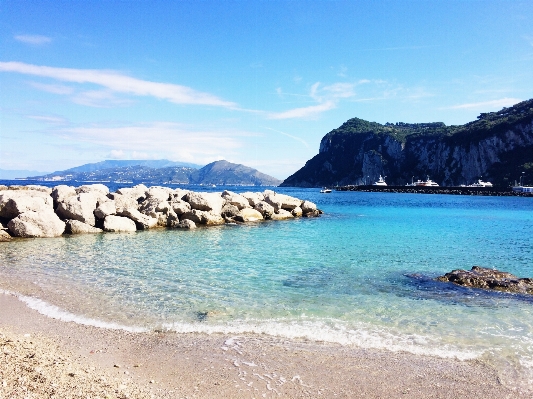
point(42, 357)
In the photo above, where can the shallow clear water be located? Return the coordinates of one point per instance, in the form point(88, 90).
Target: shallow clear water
point(359, 275)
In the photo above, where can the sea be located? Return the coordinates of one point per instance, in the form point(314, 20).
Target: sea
point(361, 275)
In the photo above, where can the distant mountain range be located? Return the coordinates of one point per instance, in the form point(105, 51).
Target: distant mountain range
point(497, 147)
point(163, 171)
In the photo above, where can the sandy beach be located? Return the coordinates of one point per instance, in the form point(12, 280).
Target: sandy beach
point(43, 357)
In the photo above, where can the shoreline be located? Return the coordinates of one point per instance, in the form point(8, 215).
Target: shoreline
point(197, 365)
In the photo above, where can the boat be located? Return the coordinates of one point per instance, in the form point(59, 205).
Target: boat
point(420, 183)
point(380, 182)
point(481, 183)
point(325, 190)
point(523, 189)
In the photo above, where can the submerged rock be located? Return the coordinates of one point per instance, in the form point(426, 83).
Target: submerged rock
point(489, 279)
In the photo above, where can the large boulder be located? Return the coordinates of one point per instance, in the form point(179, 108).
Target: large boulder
point(61, 193)
point(229, 211)
point(137, 192)
point(142, 222)
point(248, 215)
point(211, 202)
point(4, 236)
point(265, 209)
point(77, 227)
point(308, 206)
point(123, 201)
point(161, 193)
point(281, 215)
point(297, 212)
point(93, 188)
point(105, 209)
point(489, 279)
point(235, 199)
point(180, 207)
point(203, 217)
point(253, 198)
point(281, 201)
point(13, 203)
point(117, 224)
point(184, 224)
point(80, 207)
point(36, 224)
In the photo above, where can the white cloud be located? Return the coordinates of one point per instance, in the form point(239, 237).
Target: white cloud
point(99, 99)
point(33, 39)
point(54, 89)
point(289, 135)
point(504, 102)
point(327, 98)
point(119, 83)
point(304, 112)
point(54, 120)
point(159, 140)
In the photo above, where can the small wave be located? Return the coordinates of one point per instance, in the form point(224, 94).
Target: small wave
point(363, 336)
point(55, 312)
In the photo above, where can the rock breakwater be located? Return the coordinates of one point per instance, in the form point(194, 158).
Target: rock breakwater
point(38, 211)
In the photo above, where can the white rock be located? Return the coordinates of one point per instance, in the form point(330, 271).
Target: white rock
point(265, 209)
point(4, 236)
point(248, 215)
point(161, 193)
point(282, 201)
point(90, 188)
point(281, 215)
point(77, 227)
point(179, 206)
point(205, 201)
point(308, 206)
point(13, 203)
point(185, 224)
point(124, 201)
point(253, 198)
point(119, 224)
point(62, 192)
point(203, 217)
point(142, 221)
point(36, 224)
point(235, 199)
point(136, 191)
point(297, 212)
point(80, 208)
point(105, 209)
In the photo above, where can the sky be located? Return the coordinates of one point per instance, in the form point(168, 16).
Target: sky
point(254, 82)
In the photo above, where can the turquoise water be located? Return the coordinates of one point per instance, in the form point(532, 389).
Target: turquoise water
point(360, 275)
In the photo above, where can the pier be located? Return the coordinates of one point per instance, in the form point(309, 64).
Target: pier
point(485, 191)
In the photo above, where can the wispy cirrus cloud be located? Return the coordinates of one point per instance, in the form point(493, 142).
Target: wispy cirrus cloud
point(54, 120)
point(35, 40)
point(120, 83)
point(326, 98)
point(503, 102)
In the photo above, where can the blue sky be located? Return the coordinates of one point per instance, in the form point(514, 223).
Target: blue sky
point(253, 82)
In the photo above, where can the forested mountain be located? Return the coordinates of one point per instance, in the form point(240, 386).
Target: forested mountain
point(498, 147)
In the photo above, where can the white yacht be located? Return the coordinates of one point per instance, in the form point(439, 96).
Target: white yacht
point(481, 183)
point(427, 183)
point(325, 190)
point(380, 182)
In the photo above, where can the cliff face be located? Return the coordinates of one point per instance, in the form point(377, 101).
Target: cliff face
point(497, 147)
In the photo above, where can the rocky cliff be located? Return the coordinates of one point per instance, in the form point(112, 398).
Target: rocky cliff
point(497, 147)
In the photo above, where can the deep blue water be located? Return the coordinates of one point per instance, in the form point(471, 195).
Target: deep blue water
point(362, 274)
